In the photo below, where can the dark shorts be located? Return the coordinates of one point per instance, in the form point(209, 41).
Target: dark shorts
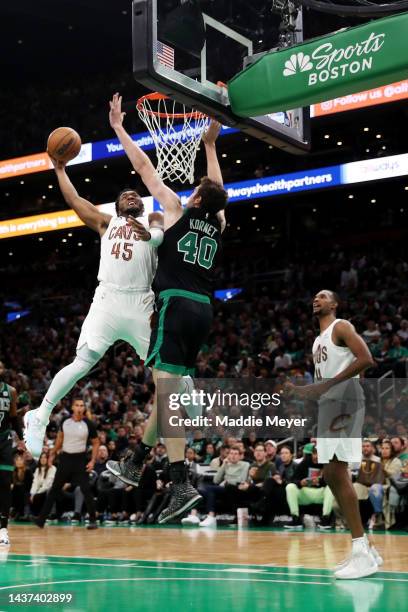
point(6, 452)
point(179, 331)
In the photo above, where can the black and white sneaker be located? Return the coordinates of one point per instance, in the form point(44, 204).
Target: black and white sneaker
point(295, 523)
point(126, 470)
point(325, 524)
point(183, 497)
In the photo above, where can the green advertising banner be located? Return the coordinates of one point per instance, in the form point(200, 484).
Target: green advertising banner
point(346, 62)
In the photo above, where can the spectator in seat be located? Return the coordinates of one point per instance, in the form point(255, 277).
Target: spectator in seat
point(274, 488)
point(122, 440)
point(371, 333)
point(43, 478)
point(218, 461)
point(391, 465)
point(399, 356)
point(101, 459)
point(20, 488)
point(403, 331)
point(308, 487)
point(232, 473)
point(259, 471)
point(369, 482)
point(160, 459)
point(198, 444)
point(191, 463)
point(271, 449)
point(209, 454)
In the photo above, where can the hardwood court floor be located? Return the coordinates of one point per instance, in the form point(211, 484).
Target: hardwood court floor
point(169, 568)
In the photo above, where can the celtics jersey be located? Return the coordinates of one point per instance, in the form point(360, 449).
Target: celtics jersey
point(5, 405)
point(188, 253)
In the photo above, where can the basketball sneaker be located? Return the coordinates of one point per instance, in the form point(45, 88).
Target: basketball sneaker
point(360, 564)
point(34, 433)
point(4, 537)
point(325, 523)
point(295, 523)
point(377, 557)
point(183, 497)
point(129, 468)
point(209, 521)
point(191, 519)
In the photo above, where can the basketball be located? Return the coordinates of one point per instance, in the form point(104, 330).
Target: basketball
point(64, 144)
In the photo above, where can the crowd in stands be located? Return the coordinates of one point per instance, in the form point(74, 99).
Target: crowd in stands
point(275, 486)
point(266, 332)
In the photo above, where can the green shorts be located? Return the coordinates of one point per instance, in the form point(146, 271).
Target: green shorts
point(179, 331)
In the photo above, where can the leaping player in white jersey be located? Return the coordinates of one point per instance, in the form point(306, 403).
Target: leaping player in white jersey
point(123, 301)
point(339, 355)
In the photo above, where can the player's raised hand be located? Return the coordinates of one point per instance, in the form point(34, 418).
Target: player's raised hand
point(58, 165)
point(116, 116)
point(212, 132)
point(141, 232)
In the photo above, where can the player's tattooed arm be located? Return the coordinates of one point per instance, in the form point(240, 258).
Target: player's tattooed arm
point(213, 165)
point(86, 211)
point(143, 166)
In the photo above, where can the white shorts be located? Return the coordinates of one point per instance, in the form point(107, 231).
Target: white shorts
point(340, 424)
point(345, 449)
point(118, 315)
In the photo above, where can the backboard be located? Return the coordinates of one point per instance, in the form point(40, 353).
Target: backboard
point(187, 49)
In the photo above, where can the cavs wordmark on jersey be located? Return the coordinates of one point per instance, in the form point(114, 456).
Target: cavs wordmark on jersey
point(188, 254)
point(330, 359)
point(126, 262)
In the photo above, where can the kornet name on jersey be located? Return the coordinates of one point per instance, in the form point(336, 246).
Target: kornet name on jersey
point(330, 359)
point(126, 263)
point(188, 254)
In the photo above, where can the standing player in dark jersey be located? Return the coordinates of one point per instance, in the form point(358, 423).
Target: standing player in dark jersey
point(183, 284)
point(8, 420)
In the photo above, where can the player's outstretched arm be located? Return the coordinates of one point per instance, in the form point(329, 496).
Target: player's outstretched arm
point(141, 163)
point(213, 165)
point(87, 212)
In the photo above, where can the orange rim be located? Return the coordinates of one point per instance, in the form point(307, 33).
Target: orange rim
point(158, 96)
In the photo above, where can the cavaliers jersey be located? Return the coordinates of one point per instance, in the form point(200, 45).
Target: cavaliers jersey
point(330, 359)
point(188, 253)
point(126, 263)
point(5, 405)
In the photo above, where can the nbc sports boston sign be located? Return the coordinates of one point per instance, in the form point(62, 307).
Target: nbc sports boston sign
point(343, 63)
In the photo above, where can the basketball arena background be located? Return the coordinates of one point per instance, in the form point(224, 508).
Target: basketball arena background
point(335, 217)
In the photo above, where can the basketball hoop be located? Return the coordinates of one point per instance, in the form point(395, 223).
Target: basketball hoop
point(176, 134)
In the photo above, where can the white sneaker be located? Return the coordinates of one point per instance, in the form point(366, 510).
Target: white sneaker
point(34, 433)
point(360, 564)
point(4, 537)
point(210, 521)
point(191, 519)
point(377, 557)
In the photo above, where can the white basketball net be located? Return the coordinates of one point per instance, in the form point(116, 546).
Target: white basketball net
point(176, 139)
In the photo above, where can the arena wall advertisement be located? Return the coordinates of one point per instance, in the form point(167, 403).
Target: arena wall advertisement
point(319, 178)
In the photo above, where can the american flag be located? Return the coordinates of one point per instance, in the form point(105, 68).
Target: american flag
point(165, 55)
